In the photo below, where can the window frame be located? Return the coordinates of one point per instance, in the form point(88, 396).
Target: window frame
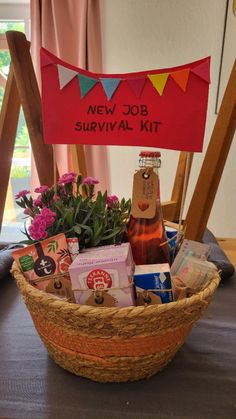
point(15, 12)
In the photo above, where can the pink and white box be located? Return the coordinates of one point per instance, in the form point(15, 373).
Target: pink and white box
point(106, 268)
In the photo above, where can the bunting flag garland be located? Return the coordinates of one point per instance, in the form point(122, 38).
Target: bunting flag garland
point(110, 85)
point(65, 75)
point(157, 108)
point(45, 60)
point(159, 81)
point(137, 85)
point(86, 84)
point(181, 78)
point(202, 71)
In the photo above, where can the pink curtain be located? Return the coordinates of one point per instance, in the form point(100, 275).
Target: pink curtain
point(70, 29)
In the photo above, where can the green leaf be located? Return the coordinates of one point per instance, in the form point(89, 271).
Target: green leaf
point(98, 231)
point(52, 246)
point(25, 232)
point(77, 229)
point(77, 207)
point(88, 216)
point(69, 216)
point(59, 224)
point(59, 207)
point(114, 233)
point(21, 204)
point(87, 228)
point(27, 241)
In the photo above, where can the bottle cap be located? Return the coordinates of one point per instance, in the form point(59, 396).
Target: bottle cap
point(148, 153)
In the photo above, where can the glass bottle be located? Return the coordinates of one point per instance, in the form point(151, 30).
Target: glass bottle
point(147, 237)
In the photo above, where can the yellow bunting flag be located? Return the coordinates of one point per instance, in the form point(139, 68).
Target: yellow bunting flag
point(181, 78)
point(159, 81)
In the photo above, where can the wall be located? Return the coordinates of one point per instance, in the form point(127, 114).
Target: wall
point(147, 34)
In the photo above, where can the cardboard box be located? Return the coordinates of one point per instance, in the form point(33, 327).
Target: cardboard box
point(40, 260)
point(106, 271)
point(156, 280)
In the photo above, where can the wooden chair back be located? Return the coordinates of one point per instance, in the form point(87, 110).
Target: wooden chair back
point(22, 88)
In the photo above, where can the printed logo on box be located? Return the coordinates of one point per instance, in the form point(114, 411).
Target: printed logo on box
point(99, 279)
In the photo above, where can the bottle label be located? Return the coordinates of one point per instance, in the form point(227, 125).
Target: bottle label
point(144, 195)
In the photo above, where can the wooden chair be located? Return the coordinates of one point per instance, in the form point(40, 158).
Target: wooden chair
point(22, 89)
point(212, 168)
point(22, 83)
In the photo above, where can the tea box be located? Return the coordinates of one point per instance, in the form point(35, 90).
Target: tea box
point(103, 276)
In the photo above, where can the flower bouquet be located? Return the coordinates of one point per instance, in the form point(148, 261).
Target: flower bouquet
point(72, 207)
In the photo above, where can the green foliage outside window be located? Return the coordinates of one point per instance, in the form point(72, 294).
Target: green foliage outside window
point(12, 26)
point(22, 138)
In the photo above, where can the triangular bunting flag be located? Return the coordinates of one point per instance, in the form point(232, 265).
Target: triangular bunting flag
point(110, 85)
point(137, 85)
point(159, 81)
point(65, 75)
point(86, 84)
point(181, 78)
point(45, 59)
point(202, 71)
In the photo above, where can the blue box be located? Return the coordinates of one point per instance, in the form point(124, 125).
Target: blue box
point(155, 279)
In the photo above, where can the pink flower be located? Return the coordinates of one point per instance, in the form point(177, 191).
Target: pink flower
point(39, 222)
point(37, 229)
point(48, 215)
point(67, 178)
point(112, 200)
point(56, 198)
point(41, 189)
point(37, 234)
point(90, 181)
point(21, 194)
point(38, 201)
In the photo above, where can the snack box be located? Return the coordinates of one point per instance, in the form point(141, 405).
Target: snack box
point(44, 258)
point(108, 270)
point(156, 279)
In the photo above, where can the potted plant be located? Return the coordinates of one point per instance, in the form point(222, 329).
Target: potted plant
point(72, 207)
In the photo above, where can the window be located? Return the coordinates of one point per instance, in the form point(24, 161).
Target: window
point(14, 17)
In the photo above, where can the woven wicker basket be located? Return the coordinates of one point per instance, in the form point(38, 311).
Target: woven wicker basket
point(112, 344)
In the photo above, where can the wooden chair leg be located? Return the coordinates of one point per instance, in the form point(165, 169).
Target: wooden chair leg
point(213, 165)
point(8, 127)
point(78, 159)
point(31, 102)
point(171, 209)
point(81, 160)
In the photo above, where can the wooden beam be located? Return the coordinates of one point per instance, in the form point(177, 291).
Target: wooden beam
point(31, 102)
point(78, 159)
point(178, 186)
point(81, 160)
point(171, 209)
point(8, 127)
point(213, 165)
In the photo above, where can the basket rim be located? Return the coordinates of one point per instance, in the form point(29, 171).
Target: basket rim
point(27, 289)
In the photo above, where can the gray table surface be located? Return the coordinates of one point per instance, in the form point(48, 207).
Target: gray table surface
point(200, 382)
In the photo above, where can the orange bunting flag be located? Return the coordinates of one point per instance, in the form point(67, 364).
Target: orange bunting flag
point(159, 81)
point(181, 78)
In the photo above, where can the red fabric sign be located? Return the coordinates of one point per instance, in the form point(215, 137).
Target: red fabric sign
point(158, 108)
